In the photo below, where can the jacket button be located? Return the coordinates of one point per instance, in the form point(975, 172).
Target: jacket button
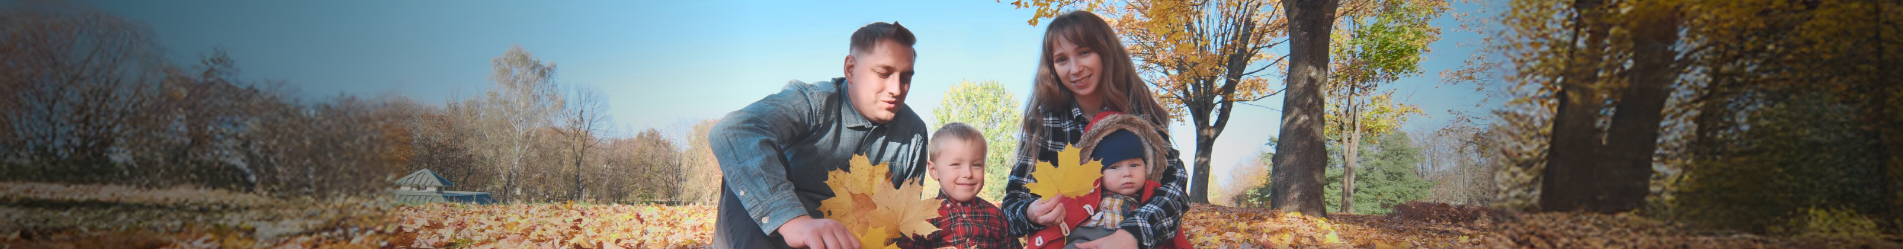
point(763, 220)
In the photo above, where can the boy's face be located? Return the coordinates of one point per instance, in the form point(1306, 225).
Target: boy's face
point(959, 168)
point(1125, 177)
point(879, 79)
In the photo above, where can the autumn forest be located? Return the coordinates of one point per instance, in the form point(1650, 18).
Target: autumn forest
point(1611, 124)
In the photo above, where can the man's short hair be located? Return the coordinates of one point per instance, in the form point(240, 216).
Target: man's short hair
point(869, 36)
point(954, 130)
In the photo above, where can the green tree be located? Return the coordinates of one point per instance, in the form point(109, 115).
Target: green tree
point(987, 106)
point(1387, 177)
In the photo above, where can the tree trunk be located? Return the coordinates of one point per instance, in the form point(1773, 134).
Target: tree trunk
point(1632, 139)
point(1300, 155)
point(1569, 178)
point(1349, 163)
point(1199, 184)
point(1351, 150)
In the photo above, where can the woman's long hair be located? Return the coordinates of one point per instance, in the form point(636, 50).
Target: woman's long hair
point(1122, 89)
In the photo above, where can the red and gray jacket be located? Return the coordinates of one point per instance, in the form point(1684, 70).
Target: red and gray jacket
point(1079, 209)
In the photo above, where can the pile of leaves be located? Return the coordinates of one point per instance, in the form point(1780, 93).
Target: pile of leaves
point(35, 215)
point(568, 225)
point(1212, 226)
point(48, 215)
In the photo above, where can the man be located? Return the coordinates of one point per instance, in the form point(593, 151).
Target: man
point(775, 153)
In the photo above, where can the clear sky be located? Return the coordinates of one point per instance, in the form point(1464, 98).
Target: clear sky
point(665, 64)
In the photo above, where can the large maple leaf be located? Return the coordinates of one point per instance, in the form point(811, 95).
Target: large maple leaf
point(903, 209)
point(853, 187)
point(864, 198)
point(1070, 176)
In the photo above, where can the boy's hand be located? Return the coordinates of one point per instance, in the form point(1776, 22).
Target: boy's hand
point(1047, 211)
point(1121, 239)
point(807, 232)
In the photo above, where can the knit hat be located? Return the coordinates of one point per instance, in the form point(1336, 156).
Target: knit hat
point(1118, 146)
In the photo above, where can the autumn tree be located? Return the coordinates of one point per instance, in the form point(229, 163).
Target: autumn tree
point(988, 107)
point(582, 119)
point(72, 76)
point(521, 101)
point(1713, 92)
point(1384, 41)
point(698, 164)
point(1202, 57)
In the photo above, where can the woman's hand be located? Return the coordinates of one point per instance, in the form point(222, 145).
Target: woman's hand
point(1046, 211)
point(1121, 239)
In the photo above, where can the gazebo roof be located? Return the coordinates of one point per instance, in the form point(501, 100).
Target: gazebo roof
point(424, 178)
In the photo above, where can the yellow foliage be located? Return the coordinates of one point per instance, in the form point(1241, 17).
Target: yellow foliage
point(864, 199)
point(852, 192)
point(1070, 177)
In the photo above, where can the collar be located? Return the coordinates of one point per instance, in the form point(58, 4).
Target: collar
point(847, 115)
point(1077, 111)
point(949, 202)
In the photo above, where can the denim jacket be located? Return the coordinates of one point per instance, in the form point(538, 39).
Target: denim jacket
point(774, 156)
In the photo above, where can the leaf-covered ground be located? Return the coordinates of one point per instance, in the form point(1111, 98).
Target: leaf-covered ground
point(35, 215)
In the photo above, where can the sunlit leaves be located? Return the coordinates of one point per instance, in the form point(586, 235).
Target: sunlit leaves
point(557, 225)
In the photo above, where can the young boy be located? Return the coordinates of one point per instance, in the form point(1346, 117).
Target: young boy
point(1127, 146)
point(956, 158)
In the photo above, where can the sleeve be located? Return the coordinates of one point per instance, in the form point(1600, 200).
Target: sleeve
point(1158, 219)
point(747, 144)
point(1017, 198)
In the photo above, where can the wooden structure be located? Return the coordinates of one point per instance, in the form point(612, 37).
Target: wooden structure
point(425, 186)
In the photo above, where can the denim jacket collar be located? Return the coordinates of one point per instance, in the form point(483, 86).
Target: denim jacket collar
point(848, 115)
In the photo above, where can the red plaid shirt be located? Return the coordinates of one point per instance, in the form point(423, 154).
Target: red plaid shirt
point(966, 224)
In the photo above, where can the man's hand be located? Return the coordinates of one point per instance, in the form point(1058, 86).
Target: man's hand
point(1121, 239)
point(807, 232)
point(1046, 211)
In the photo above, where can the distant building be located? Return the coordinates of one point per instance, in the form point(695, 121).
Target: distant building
point(425, 186)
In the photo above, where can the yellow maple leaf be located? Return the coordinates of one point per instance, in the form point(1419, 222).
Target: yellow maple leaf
point(877, 237)
point(853, 188)
point(903, 209)
point(1070, 176)
point(864, 198)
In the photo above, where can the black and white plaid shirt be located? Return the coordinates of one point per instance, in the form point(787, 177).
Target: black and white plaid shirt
point(1154, 222)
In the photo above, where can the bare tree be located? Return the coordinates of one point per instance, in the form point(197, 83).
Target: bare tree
point(582, 120)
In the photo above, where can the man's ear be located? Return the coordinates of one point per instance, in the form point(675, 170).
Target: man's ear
point(849, 64)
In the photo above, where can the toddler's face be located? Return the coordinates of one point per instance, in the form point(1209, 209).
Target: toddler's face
point(1125, 177)
point(959, 169)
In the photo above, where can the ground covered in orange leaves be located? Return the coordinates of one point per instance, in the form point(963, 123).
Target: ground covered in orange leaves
point(37, 215)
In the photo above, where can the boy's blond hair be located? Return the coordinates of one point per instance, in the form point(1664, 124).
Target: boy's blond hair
point(954, 130)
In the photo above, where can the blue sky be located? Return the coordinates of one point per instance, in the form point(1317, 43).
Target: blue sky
point(665, 64)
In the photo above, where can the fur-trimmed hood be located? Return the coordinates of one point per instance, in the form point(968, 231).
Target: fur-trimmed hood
point(1155, 148)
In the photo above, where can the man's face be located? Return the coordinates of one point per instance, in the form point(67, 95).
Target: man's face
point(879, 78)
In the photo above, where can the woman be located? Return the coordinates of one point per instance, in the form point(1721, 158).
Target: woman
point(1084, 70)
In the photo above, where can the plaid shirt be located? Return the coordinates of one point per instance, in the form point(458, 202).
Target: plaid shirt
point(1154, 222)
point(966, 224)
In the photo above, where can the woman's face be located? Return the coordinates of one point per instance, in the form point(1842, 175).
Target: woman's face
point(1077, 67)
